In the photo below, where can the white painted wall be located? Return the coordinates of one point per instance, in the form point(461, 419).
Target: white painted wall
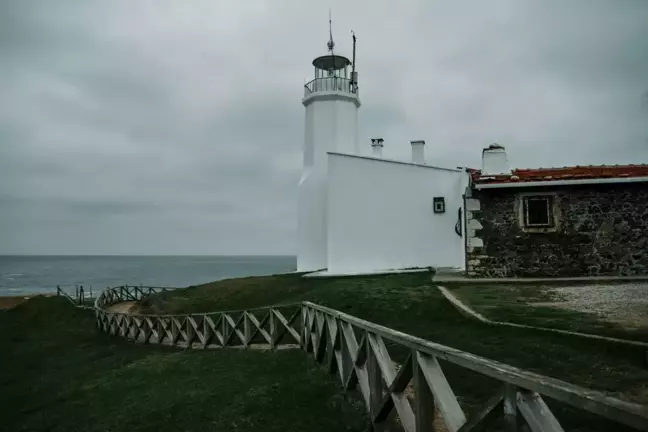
point(330, 125)
point(380, 215)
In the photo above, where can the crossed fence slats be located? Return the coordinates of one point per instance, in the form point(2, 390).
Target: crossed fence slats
point(413, 396)
point(259, 327)
point(416, 394)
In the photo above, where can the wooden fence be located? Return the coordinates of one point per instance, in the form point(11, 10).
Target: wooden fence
point(262, 328)
point(81, 297)
point(412, 394)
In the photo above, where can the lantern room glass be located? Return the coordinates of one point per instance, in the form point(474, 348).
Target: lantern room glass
point(332, 73)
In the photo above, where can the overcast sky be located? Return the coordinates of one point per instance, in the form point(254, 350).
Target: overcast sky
point(156, 126)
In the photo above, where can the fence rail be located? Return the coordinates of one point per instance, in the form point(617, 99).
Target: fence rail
point(355, 349)
point(413, 395)
point(263, 328)
point(80, 296)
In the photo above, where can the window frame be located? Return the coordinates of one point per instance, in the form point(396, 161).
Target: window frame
point(554, 209)
point(549, 200)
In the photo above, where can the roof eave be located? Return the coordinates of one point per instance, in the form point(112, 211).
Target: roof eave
point(560, 182)
point(393, 161)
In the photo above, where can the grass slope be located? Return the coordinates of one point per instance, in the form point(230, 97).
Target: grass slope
point(57, 373)
point(410, 303)
point(509, 303)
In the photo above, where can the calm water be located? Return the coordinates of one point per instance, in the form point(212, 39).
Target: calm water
point(34, 274)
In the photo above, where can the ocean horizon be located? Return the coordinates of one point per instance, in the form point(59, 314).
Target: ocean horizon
point(38, 274)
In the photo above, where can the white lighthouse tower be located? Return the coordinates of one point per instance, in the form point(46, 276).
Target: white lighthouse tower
point(332, 102)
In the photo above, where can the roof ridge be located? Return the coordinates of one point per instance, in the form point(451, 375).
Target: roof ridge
point(576, 172)
point(566, 167)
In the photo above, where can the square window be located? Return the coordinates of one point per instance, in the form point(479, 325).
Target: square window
point(538, 211)
point(439, 205)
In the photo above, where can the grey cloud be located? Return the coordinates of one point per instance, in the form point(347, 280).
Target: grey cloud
point(72, 207)
point(128, 128)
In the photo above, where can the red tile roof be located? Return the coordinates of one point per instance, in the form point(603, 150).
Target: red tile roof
point(564, 173)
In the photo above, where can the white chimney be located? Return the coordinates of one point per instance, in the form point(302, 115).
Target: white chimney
point(377, 145)
point(418, 152)
point(494, 161)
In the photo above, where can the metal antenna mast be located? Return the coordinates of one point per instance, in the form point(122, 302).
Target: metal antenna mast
point(330, 43)
point(354, 76)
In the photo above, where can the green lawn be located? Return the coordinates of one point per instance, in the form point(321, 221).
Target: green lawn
point(410, 303)
point(510, 303)
point(57, 373)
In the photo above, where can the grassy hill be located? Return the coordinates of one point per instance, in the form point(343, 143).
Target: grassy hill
point(411, 303)
point(57, 373)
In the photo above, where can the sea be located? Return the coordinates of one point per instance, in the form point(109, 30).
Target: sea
point(32, 274)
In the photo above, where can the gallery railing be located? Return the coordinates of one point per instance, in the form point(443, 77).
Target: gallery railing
point(330, 84)
point(412, 394)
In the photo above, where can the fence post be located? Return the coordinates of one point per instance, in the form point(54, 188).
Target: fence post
point(510, 408)
point(174, 331)
point(347, 361)
point(424, 399)
point(375, 386)
point(246, 329)
point(225, 329)
point(189, 330)
point(305, 330)
point(81, 296)
point(58, 290)
point(273, 329)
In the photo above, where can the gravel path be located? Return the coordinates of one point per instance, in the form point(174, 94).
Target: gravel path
point(625, 304)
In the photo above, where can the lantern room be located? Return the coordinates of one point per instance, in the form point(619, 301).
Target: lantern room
point(331, 66)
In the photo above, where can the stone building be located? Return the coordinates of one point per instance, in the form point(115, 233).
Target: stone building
point(552, 222)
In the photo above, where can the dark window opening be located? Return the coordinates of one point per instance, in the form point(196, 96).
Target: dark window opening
point(538, 211)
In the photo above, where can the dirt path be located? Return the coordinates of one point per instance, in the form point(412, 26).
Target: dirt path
point(129, 307)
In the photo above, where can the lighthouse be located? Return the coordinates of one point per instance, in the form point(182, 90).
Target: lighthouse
point(331, 103)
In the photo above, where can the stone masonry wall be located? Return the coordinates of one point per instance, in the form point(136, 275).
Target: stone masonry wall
point(601, 230)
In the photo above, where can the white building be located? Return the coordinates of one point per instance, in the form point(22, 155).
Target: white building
point(365, 214)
